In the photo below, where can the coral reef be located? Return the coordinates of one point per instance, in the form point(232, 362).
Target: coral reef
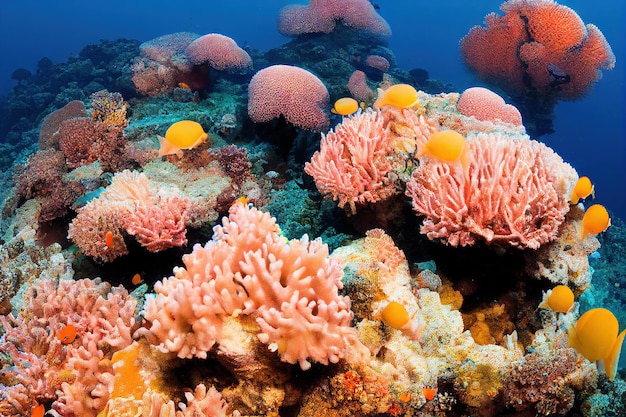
point(322, 264)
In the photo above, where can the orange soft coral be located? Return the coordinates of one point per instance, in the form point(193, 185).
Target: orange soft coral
point(538, 47)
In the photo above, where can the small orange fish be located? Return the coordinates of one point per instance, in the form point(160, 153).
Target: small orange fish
point(184, 85)
point(243, 200)
point(108, 239)
point(405, 397)
point(429, 393)
point(67, 334)
point(38, 411)
point(136, 280)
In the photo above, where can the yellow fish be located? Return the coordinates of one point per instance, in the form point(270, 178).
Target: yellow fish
point(402, 96)
point(559, 299)
point(185, 134)
point(595, 220)
point(583, 189)
point(596, 337)
point(345, 106)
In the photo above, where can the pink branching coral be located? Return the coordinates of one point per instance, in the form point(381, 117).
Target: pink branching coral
point(514, 193)
point(289, 287)
point(71, 375)
point(137, 206)
point(355, 163)
point(161, 226)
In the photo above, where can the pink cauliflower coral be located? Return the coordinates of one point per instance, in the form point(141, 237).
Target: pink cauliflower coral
point(322, 15)
point(295, 93)
point(219, 51)
point(290, 288)
point(484, 104)
point(514, 192)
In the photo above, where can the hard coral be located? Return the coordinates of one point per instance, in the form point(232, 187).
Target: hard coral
point(52, 121)
point(353, 163)
point(109, 108)
point(358, 162)
point(165, 48)
point(322, 15)
point(134, 204)
point(513, 192)
point(484, 104)
point(219, 51)
point(295, 93)
point(357, 85)
point(41, 175)
point(76, 139)
point(289, 288)
point(540, 380)
point(162, 65)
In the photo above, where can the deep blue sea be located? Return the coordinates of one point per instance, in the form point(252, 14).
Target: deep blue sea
point(590, 133)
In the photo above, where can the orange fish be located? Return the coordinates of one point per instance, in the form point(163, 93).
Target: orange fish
point(243, 200)
point(38, 411)
point(108, 239)
point(184, 85)
point(136, 280)
point(67, 334)
point(405, 397)
point(184, 134)
point(429, 393)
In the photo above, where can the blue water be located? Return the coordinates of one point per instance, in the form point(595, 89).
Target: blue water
point(590, 132)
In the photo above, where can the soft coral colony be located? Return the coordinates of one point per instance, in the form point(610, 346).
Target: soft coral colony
point(254, 321)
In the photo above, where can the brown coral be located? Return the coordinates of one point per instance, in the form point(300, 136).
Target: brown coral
point(539, 380)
